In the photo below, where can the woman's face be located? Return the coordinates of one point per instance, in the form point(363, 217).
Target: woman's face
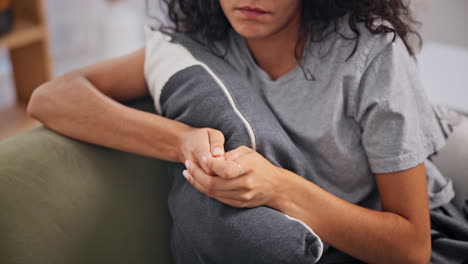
point(259, 19)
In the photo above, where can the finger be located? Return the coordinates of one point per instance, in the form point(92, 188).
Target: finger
point(214, 183)
point(202, 151)
point(247, 161)
point(227, 169)
point(233, 202)
point(237, 152)
point(232, 168)
point(206, 160)
point(212, 193)
point(229, 197)
point(195, 183)
point(216, 139)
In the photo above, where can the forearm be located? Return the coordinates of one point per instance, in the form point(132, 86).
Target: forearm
point(82, 112)
point(372, 236)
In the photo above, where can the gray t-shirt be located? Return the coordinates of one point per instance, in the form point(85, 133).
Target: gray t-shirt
point(365, 115)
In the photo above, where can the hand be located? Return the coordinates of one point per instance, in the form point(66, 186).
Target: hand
point(202, 142)
point(244, 178)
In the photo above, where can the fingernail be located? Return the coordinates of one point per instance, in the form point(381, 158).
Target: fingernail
point(218, 151)
point(185, 174)
point(187, 164)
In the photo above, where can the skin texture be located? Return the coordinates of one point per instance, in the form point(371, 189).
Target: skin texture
point(89, 110)
point(277, 29)
point(243, 178)
point(89, 102)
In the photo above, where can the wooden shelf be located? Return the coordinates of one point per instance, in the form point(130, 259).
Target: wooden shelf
point(24, 32)
point(28, 46)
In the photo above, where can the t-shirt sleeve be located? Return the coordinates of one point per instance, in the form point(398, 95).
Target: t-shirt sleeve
point(399, 127)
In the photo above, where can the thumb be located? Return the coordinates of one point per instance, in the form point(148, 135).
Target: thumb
point(216, 139)
point(237, 152)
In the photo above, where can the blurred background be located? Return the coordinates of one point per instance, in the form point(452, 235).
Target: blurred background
point(51, 37)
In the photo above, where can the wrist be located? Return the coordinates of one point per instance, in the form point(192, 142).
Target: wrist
point(284, 188)
point(181, 139)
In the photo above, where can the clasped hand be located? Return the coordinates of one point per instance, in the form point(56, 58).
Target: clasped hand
point(240, 178)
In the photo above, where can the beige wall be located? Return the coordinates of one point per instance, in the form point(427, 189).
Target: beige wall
point(444, 21)
point(443, 61)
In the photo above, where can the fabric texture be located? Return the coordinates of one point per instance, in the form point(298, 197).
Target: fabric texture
point(449, 235)
point(63, 201)
point(335, 120)
point(361, 115)
point(202, 90)
point(450, 221)
point(452, 158)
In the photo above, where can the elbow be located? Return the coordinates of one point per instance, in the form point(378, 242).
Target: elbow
point(47, 97)
point(38, 101)
point(424, 254)
point(411, 247)
point(43, 102)
point(420, 251)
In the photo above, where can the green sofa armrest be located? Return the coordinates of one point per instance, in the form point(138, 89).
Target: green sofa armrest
point(65, 201)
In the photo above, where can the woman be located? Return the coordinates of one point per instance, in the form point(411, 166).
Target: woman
point(340, 78)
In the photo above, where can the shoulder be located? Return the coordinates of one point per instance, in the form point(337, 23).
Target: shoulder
point(380, 71)
point(359, 46)
point(388, 48)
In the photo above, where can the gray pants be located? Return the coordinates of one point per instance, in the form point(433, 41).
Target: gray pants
point(449, 234)
point(205, 230)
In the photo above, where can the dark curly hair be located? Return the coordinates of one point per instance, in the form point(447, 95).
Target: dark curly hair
point(205, 18)
point(204, 21)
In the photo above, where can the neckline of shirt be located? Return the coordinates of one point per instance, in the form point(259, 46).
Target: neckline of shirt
point(264, 76)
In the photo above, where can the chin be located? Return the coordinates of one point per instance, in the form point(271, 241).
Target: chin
point(253, 31)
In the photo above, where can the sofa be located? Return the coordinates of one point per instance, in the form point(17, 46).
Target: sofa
point(66, 201)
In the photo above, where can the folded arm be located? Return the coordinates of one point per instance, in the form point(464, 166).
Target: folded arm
point(398, 234)
point(84, 104)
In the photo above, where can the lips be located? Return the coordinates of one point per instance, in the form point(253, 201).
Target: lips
point(252, 12)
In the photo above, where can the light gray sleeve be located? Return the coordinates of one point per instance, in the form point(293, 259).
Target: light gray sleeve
point(399, 127)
